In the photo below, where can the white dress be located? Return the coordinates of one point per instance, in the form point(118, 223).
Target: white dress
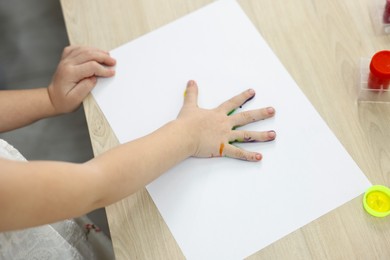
point(63, 240)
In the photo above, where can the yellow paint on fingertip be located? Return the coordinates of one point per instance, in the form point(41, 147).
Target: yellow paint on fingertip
point(376, 201)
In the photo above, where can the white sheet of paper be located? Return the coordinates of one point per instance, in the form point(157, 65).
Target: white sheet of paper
point(223, 208)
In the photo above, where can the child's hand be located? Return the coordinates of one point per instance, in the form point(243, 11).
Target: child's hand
point(213, 130)
point(76, 76)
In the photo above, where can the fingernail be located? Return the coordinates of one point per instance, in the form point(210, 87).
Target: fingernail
point(270, 110)
point(251, 91)
point(258, 156)
point(190, 83)
point(271, 134)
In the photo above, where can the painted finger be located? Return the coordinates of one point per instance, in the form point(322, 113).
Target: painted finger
point(251, 116)
point(252, 136)
point(238, 153)
point(229, 106)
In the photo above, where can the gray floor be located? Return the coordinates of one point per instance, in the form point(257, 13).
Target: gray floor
point(33, 36)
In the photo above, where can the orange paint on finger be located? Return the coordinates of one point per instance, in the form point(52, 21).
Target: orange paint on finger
point(221, 149)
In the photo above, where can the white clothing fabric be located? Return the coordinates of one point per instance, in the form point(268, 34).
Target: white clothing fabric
point(63, 240)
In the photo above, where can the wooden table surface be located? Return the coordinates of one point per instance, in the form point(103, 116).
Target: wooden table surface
point(320, 44)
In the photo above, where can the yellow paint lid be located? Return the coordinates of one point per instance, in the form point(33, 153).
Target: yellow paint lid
point(376, 201)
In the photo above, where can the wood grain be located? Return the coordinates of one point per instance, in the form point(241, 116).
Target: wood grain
point(320, 44)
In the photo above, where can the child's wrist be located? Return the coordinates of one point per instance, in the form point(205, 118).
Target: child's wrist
point(51, 108)
point(188, 136)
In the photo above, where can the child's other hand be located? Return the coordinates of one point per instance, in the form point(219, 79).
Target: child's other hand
point(76, 76)
point(213, 131)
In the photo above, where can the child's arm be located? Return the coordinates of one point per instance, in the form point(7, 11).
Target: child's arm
point(74, 79)
point(34, 193)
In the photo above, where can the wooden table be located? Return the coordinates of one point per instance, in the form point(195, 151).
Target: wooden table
point(320, 44)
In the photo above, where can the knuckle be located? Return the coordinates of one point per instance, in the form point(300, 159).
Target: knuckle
point(247, 116)
point(92, 54)
point(97, 67)
point(248, 137)
point(240, 154)
point(67, 49)
point(67, 69)
point(231, 103)
point(89, 52)
point(91, 68)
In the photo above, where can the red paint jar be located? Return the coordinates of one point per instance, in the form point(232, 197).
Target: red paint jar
point(379, 77)
point(386, 12)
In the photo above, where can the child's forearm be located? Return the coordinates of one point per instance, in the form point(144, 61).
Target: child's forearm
point(36, 193)
point(19, 108)
point(129, 167)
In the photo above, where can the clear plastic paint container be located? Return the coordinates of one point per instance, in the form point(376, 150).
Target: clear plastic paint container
point(374, 78)
point(380, 15)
